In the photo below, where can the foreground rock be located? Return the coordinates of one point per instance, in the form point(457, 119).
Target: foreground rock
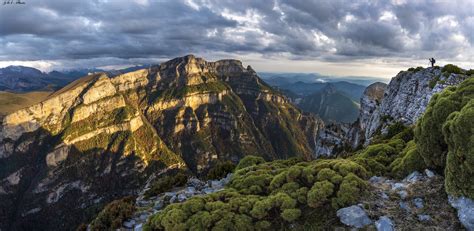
point(354, 216)
point(465, 208)
point(403, 100)
point(384, 224)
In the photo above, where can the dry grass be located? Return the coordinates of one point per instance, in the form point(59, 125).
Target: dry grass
point(10, 102)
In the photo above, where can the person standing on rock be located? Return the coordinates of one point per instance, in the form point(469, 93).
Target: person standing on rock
point(432, 61)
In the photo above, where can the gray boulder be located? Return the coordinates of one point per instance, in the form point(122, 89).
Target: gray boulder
point(129, 223)
point(403, 194)
point(208, 190)
point(138, 227)
point(404, 206)
point(182, 197)
point(418, 203)
point(413, 177)
point(384, 224)
point(399, 186)
point(354, 216)
point(465, 207)
point(429, 173)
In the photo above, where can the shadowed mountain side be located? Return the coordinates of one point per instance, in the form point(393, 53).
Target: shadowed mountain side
point(70, 189)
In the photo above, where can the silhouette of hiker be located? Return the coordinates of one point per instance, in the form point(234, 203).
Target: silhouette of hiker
point(432, 61)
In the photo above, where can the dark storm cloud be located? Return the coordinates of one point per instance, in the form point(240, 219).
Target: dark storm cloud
point(326, 30)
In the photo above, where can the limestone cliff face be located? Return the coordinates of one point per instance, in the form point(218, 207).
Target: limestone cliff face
point(403, 100)
point(406, 98)
point(100, 137)
point(369, 112)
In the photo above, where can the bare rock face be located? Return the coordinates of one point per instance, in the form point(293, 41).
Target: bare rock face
point(101, 137)
point(369, 107)
point(335, 138)
point(407, 96)
point(332, 139)
point(403, 100)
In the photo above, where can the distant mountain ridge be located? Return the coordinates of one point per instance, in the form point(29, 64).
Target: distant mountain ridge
point(27, 79)
point(332, 101)
point(289, 78)
point(331, 104)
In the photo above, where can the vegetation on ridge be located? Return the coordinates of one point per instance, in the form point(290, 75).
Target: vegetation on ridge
point(114, 214)
point(268, 195)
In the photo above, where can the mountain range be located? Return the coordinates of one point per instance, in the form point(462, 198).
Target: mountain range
point(196, 145)
point(331, 101)
point(70, 153)
point(27, 79)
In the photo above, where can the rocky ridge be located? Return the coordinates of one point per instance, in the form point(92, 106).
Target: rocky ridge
point(403, 100)
point(406, 97)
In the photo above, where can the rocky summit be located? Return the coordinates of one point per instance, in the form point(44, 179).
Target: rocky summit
point(101, 138)
point(402, 102)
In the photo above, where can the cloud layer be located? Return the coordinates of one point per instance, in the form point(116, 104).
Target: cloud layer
point(116, 32)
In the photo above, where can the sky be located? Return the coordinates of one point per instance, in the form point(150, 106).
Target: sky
point(332, 37)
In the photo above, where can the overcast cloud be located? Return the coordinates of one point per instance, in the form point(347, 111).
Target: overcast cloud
point(328, 36)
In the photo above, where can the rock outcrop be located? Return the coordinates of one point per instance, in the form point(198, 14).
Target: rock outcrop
point(403, 100)
point(69, 154)
point(406, 97)
point(369, 108)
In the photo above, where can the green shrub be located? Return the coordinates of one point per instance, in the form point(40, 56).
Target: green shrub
point(409, 161)
point(114, 214)
point(166, 183)
point(320, 193)
point(459, 133)
point(248, 161)
point(267, 196)
point(450, 68)
point(350, 190)
point(428, 133)
point(290, 214)
point(377, 157)
point(434, 81)
point(470, 72)
point(394, 129)
point(220, 170)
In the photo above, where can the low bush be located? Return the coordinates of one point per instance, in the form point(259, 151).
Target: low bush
point(409, 161)
point(431, 143)
point(268, 196)
point(450, 68)
point(220, 170)
point(459, 133)
point(377, 157)
point(249, 161)
point(166, 183)
point(114, 214)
